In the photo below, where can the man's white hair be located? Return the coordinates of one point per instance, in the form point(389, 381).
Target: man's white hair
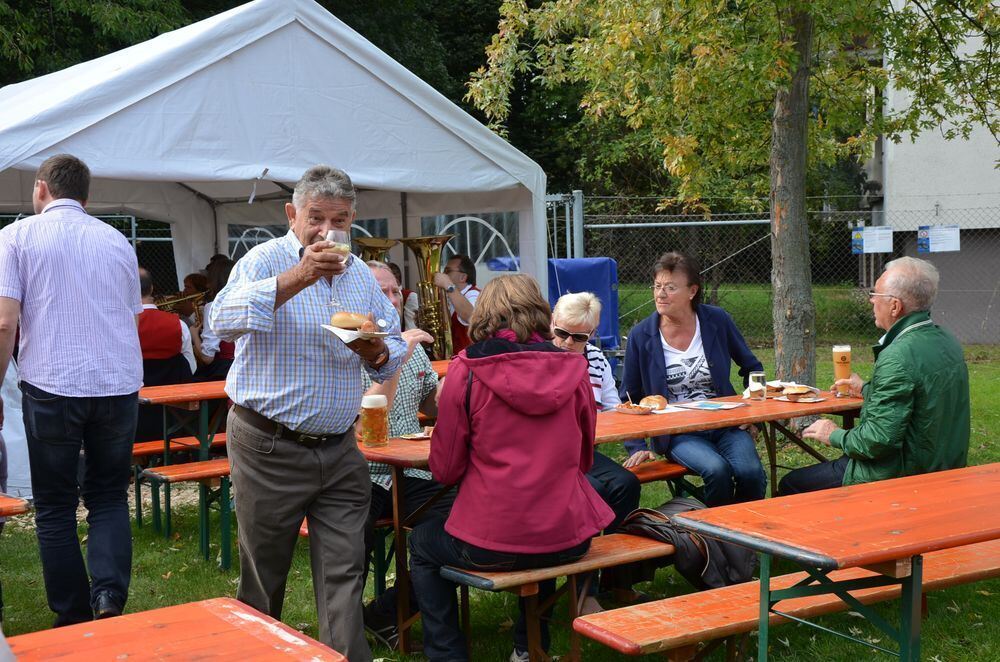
point(914, 281)
point(322, 181)
point(582, 308)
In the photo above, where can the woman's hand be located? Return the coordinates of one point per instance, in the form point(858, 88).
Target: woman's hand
point(637, 458)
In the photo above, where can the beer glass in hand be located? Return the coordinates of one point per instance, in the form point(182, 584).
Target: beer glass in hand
point(342, 247)
point(842, 368)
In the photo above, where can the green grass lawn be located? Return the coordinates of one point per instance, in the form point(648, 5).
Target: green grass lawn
point(962, 624)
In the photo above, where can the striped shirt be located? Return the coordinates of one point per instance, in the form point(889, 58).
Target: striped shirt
point(601, 378)
point(416, 382)
point(287, 367)
point(78, 283)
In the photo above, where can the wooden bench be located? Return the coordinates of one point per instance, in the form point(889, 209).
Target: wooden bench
point(145, 451)
point(679, 624)
point(205, 474)
point(10, 506)
point(674, 474)
point(605, 552)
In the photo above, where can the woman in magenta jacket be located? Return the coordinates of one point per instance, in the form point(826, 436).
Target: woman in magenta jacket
point(515, 432)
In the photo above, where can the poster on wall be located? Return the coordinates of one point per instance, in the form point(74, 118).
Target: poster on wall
point(938, 239)
point(874, 239)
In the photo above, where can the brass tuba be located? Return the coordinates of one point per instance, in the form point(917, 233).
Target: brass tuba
point(375, 248)
point(168, 303)
point(433, 314)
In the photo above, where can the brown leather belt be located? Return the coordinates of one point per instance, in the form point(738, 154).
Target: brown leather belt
point(268, 426)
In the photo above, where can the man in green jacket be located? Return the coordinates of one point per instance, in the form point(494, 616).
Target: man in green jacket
point(915, 416)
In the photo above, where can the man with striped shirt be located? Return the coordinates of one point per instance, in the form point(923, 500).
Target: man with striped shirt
point(296, 390)
point(74, 282)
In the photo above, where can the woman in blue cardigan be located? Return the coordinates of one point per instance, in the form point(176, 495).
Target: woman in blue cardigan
point(683, 352)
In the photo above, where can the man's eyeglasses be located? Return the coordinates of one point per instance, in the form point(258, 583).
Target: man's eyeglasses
point(872, 294)
point(451, 271)
point(563, 334)
point(669, 288)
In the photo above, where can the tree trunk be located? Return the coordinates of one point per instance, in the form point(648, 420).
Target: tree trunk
point(793, 311)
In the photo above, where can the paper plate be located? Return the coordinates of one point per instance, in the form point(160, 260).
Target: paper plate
point(634, 411)
point(802, 400)
point(416, 436)
point(349, 335)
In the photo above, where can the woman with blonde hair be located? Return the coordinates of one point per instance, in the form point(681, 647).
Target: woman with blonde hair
point(515, 431)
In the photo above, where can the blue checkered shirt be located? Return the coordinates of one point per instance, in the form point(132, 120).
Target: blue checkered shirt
point(287, 367)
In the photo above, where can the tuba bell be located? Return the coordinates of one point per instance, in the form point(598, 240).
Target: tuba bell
point(433, 314)
point(168, 303)
point(375, 248)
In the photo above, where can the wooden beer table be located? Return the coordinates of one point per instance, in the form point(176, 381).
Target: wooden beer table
point(612, 426)
point(188, 410)
point(10, 505)
point(441, 367)
point(884, 527)
point(218, 629)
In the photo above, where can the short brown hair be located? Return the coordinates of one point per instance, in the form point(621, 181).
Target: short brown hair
point(512, 302)
point(66, 176)
point(685, 264)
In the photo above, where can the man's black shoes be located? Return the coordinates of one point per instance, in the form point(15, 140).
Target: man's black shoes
point(105, 606)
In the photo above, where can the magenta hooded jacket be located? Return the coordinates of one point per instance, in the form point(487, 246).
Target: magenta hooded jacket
point(520, 456)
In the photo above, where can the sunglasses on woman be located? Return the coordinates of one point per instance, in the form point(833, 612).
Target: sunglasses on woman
point(563, 334)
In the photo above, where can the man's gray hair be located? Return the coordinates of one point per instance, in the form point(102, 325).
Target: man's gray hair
point(322, 181)
point(914, 281)
point(375, 264)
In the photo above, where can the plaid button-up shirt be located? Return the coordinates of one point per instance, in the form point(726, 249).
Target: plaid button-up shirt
point(287, 367)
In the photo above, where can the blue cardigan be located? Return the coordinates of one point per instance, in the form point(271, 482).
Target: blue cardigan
point(646, 372)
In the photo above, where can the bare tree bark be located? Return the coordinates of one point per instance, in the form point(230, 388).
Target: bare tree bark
point(793, 311)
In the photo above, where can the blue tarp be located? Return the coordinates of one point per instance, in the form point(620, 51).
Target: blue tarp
point(589, 274)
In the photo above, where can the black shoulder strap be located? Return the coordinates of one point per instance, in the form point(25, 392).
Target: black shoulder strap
point(468, 397)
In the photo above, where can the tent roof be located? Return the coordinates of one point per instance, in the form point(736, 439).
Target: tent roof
point(276, 84)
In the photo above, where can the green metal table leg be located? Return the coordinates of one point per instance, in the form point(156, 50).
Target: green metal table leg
point(203, 519)
point(154, 493)
point(203, 437)
point(224, 507)
point(136, 481)
point(166, 510)
point(910, 603)
point(765, 606)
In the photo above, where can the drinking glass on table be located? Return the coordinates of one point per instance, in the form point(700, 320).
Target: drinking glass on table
point(842, 368)
point(342, 247)
point(758, 386)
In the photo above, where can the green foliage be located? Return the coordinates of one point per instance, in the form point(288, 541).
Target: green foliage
point(697, 78)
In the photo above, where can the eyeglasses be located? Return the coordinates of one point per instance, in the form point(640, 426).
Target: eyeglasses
point(563, 334)
point(872, 294)
point(451, 271)
point(669, 288)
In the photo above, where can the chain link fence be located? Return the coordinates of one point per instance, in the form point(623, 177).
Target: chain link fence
point(734, 250)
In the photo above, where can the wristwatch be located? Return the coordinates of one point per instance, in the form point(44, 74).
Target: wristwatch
point(450, 288)
point(381, 358)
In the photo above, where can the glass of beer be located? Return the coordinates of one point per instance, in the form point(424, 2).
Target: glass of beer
point(758, 386)
point(342, 247)
point(842, 367)
point(373, 427)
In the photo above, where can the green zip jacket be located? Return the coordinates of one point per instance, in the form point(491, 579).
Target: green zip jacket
point(915, 416)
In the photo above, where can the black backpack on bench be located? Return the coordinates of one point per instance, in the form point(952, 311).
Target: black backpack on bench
point(705, 562)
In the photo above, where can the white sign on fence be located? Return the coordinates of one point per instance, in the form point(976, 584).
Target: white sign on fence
point(873, 239)
point(938, 238)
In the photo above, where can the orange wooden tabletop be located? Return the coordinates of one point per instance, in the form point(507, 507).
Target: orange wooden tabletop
point(221, 628)
point(12, 505)
point(864, 524)
point(613, 426)
point(179, 393)
point(441, 367)
point(616, 426)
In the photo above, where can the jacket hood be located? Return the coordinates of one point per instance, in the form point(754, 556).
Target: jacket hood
point(532, 382)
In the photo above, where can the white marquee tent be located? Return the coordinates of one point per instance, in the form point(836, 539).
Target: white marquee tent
point(178, 129)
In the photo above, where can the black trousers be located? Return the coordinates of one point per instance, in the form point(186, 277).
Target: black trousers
point(822, 476)
point(432, 547)
point(416, 492)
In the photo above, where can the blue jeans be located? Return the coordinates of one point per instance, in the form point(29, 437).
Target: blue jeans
point(57, 427)
point(431, 548)
point(726, 460)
